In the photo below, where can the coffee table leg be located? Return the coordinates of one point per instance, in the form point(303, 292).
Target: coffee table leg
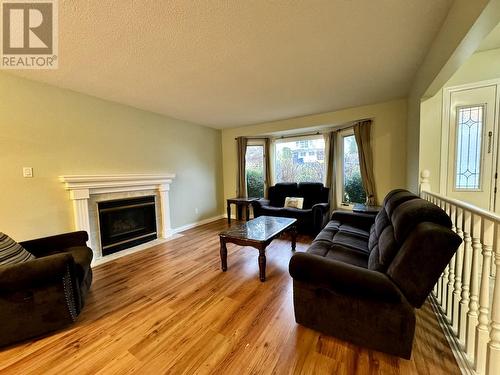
point(223, 254)
point(294, 237)
point(229, 214)
point(262, 264)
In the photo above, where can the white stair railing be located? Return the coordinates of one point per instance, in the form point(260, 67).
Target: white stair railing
point(467, 295)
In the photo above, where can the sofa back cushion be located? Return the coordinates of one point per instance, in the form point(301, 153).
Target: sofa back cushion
point(11, 252)
point(381, 243)
point(421, 259)
point(313, 193)
point(279, 192)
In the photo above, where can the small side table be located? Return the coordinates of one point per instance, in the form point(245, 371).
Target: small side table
point(240, 204)
point(364, 209)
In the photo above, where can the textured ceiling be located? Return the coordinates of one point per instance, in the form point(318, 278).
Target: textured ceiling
point(229, 63)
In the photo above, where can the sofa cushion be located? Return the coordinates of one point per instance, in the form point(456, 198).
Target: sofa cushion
point(328, 232)
point(396, 199)
point(11, 252)
point(346, 228)
point(384, 251)
point(351, 241)
point(279, 192)
point(347, 255)
point(313, 192)
point(409, 214)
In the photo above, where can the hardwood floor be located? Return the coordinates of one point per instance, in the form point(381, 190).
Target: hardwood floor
point(170, 309)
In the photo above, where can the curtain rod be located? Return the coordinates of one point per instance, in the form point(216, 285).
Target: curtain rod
point(341, 127)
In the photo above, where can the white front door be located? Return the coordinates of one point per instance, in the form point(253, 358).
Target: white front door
point(472, 146)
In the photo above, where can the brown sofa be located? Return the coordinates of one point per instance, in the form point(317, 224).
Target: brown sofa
point(46, 293)
point(363, 276)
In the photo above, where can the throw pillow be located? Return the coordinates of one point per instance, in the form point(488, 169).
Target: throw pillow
point(11, 252)
point(294, 202)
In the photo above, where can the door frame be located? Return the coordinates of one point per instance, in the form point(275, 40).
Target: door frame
point(446, 134)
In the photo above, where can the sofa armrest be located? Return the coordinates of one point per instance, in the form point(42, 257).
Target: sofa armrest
point(359, 220)
point(261, 202)
point(36, 273)
point(343, 278)
point(323, 207)
point(42, 246)
point(320, 213)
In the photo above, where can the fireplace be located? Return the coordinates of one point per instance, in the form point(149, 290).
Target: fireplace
point(124, 223)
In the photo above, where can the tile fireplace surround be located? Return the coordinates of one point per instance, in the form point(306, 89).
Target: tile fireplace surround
point(86, 190)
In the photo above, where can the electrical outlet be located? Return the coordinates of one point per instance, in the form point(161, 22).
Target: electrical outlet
point(196, 211)
point(27, 172)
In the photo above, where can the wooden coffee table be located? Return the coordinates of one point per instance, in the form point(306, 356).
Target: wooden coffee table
point(257, 233)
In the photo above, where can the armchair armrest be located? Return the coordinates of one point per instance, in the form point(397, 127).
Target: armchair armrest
point(359, 220)
point(42, 246)
point(36, 273)
point(343, 277)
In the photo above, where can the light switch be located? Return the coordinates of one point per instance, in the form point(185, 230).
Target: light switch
point(27, 172)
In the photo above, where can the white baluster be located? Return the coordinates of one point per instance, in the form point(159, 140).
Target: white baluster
point(451, 210)
point(464, 301)
point(472, 315)
point(482, 332)
point(493, 356)
point(459, 260)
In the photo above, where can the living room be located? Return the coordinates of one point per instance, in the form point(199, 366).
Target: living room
point(153, 109)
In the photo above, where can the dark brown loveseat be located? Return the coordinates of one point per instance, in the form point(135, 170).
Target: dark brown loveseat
point(311, 218)
point(46, 293)
point(363, 276)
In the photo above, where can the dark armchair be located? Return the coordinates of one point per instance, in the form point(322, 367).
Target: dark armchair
point(46, 293)
point(311, 218)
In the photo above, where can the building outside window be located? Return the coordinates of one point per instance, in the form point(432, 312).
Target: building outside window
point(300, 160)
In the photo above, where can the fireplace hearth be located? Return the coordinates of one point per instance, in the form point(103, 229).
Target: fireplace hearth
point(124, 223)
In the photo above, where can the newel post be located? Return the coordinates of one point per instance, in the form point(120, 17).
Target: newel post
point(425, 184)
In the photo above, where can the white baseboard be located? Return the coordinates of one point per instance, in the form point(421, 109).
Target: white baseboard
point(466, 368)
point(198, 223)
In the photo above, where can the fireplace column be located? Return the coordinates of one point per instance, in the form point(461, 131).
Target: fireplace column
point(166, 227)
point(80, 199)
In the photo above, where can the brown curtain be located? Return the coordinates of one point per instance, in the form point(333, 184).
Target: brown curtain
point(330, 181)
point(267, 152)
point(362, 133)
point(241, 144)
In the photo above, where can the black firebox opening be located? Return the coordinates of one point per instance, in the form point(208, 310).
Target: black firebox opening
point(125, 223)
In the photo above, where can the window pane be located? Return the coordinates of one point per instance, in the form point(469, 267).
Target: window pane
point(468, 154)
point(254, 160)
point(353, 191)
point(300, 161)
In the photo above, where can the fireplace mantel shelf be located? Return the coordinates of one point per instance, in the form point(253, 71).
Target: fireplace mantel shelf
point(99, 184)
point(81, 187)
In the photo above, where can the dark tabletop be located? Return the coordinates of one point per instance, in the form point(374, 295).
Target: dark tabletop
point(260, 229)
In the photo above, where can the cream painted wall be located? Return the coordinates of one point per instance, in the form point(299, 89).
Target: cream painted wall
point(388, 135)
point(430, 137)
point(467, 24)
point(481, 66)
point(59, 132)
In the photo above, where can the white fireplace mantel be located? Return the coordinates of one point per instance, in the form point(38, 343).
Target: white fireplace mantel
point(81, 187)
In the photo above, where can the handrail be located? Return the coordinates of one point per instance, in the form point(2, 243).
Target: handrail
point(467, 206)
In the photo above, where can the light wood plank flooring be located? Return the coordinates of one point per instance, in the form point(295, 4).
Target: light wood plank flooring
point(170, 309)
